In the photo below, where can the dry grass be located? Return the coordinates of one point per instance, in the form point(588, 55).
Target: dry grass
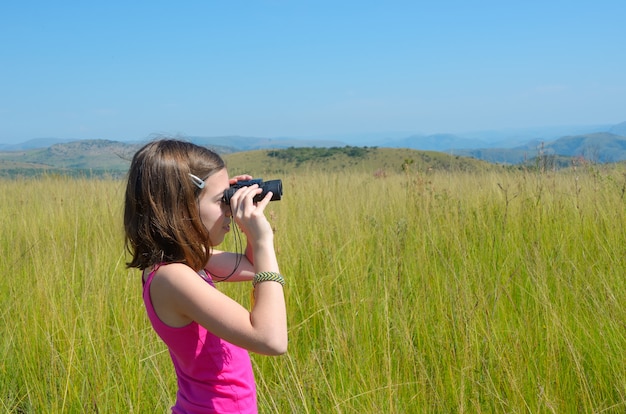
point(416, 292)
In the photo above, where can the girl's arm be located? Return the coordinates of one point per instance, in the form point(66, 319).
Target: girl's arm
point(222, 264)
point(180, 296)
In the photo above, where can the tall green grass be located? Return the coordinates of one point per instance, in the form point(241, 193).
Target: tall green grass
point(420, 292)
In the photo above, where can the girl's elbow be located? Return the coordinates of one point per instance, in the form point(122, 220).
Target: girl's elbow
point(275, 347)
point(281, 349)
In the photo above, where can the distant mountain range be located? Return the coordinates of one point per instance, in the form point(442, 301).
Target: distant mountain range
point(600, 143)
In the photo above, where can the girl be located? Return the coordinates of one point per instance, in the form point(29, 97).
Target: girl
point(174, 215)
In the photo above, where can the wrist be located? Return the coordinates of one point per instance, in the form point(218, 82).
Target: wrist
point(261, 245)
point(249, 253)
point(268, 277)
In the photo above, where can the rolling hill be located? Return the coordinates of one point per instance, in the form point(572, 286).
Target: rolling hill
point(106, 157)
point(92, 157)
point(112, 158)
point(601, 147)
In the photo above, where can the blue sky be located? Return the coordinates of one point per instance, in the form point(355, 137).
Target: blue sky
point(124, 70)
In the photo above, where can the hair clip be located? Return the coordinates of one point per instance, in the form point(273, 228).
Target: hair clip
point(197, 181)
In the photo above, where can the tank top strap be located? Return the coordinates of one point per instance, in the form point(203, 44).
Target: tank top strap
point(206, 276)
point(147, 280)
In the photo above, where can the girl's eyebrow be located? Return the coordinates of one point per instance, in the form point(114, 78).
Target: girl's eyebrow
point(218, 195)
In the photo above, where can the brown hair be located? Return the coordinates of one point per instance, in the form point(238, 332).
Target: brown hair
point(161, 217)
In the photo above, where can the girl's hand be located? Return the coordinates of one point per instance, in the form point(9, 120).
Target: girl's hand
point(237, 178)
point(249, 215)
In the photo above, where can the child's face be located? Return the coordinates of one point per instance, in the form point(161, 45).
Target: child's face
point(215, 214)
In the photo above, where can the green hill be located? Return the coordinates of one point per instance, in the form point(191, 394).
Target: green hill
point(378, 161)
point(112, 158)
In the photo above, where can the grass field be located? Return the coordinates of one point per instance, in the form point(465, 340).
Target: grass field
point(408, 293)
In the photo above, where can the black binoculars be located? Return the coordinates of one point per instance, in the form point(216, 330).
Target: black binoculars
point(275, 186)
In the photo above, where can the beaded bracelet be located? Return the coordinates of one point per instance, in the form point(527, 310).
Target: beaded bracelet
point(268, 277)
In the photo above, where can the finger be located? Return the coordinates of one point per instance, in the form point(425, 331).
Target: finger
point(237, 178)
point(252, 191)
point(265, 201)
point(244, 196)
point(236, 198)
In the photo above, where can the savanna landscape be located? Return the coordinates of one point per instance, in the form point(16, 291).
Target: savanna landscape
point(416, 282)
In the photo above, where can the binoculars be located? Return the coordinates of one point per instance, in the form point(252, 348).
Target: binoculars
point(275, 186)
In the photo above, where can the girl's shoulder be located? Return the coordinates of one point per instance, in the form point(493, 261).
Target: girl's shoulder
point(174, 270)
point(173, 289)
point(167, 271)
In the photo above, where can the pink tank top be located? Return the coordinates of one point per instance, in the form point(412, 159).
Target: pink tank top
point(214, 376)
